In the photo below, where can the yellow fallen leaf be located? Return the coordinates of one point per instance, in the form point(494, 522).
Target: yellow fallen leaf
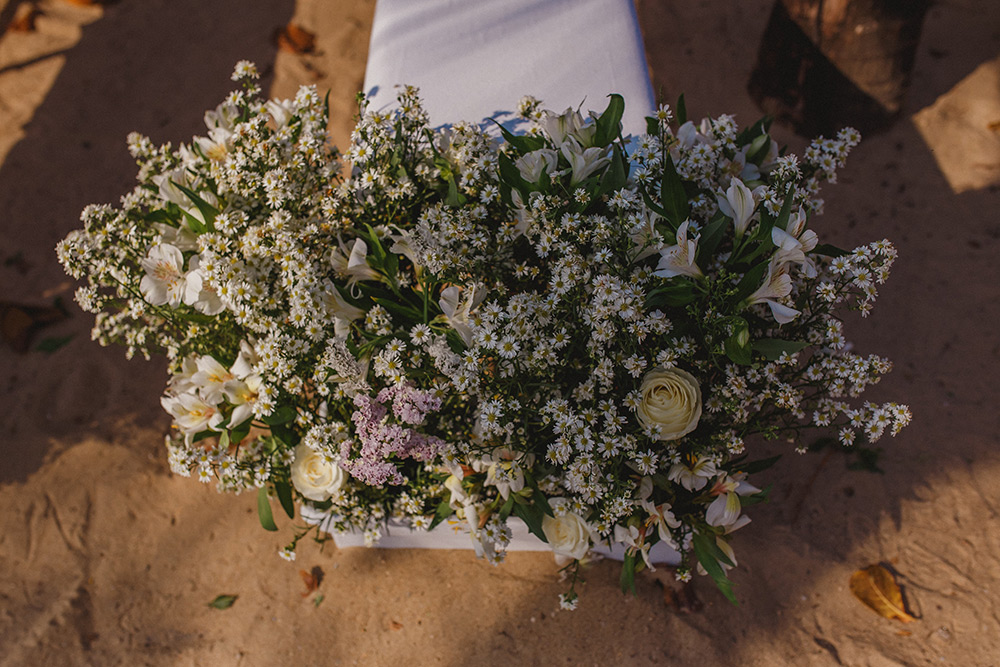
point(876, 587)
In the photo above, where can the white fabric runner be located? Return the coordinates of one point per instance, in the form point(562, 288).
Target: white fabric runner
point(474, 59)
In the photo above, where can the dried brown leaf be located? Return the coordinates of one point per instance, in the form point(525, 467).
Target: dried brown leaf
point(395, 625)
point(311, 579)
point(294, 39)
point(876, 587)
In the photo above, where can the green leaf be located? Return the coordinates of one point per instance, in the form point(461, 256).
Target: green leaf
point(282, 415)
point(828, 250)
point(772, 348)
point(223, 601)
point(207, 210)
point(753, 466)
point(443, 512)
point(627, 579)
point(759, 497)
point(50, 345)
point(532, 516)
point(284, 492)
point(652, 126)
point(678, 292)
point(507, 507)
point(616, 176)
point(264, 510)
point(609, 123)
point(681, 110)
point(710, 238)
point(523, 143)
point(511, 175)
point(785, 213)
point(709, 555)
point(738, 354)
point(672, 195)
point(751, 281)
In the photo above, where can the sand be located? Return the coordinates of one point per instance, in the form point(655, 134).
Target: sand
point(108, 559)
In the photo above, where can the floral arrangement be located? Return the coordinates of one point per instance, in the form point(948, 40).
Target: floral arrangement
point(566, 326)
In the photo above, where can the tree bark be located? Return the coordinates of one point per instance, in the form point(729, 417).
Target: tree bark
point(826, 64)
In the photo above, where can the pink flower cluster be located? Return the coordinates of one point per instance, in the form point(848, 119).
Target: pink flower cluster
point(379, 439)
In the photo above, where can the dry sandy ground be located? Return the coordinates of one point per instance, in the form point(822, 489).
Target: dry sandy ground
point(107, 559)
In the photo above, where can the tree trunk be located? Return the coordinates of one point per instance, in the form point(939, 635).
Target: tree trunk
point(826, 64)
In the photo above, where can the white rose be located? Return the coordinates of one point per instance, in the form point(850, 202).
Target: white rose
point(671, 400)
point(314, 476)
point(568, 535)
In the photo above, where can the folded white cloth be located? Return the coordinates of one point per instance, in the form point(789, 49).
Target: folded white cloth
point(455, 535)
point(474, 59)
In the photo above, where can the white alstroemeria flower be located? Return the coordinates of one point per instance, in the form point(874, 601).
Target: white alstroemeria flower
point(505, 473)
point(457, 311)
point(198, 293)
point(402, 244)
point(164, 282)
point(211, 379)
point(216, 145)
point(349, 261)
point(243, 394)
point(181, 381)
point(243, 367)
point(660, 515)
point(191, 414)
point(583, 161)
point(458, 495)
point(725, 509)
point(778, 285)
point(531, 165)
point(568, 124)
point(336, 305)
point(738, 204)
point(794, 242)
point(695, 477)
point(678, 259)
point(183, 238)
point(281, 111)
point(634, 542)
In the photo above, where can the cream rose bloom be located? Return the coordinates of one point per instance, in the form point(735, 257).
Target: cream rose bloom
point(671, 400)
point(315, 477)
point(568, 535)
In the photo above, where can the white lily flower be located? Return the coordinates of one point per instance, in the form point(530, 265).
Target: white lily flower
point(634, 542)
point(738, 204)
point(583, 161)
point(181, 382)
point(211, 379)
point(457, 312)
point(777, 286)
point(198, 293)
point(281, 111)
point(725, 509)
point(336, 305)
point(568, 124)
point(678, 259)
point(695, 477)
point(191, 413)
point(532, 164)
point(349, 262)
point(243, 394)
point(245, 361)
point(164, 282)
